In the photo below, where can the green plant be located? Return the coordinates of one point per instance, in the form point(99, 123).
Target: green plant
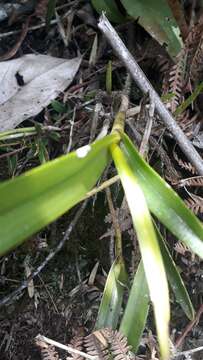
point(155, 16)
point(36, 198)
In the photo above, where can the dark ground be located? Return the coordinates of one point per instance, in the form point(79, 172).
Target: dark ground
point(63, 300)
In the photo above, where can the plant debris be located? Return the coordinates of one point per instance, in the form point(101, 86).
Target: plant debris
point(60, 89)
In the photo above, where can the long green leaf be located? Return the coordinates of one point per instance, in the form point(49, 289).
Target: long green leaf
point(157, 18)
point(163, 201)
point(182, 107)
point(110, 8)
point(151, 255)
point(175, 280)
point(34, 199)
point(110, 307)
point(136, 311)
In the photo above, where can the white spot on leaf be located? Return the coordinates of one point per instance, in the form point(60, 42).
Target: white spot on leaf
point(83, 151)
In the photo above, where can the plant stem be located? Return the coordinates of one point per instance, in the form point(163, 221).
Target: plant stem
point(142, 81)
point(119, 121)
point(23, 132)
point(115, 222)
point(103, 186)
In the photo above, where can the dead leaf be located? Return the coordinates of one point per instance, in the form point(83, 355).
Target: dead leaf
point(42, 78)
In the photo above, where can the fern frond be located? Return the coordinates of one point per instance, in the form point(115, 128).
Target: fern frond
point(181, 248)
point(107, 344)
point(187, 122)
point(174, 80)
point(77, 344)
point(47, 351)
point(196, 69)
point(192, 42)
point(190, 57)
point(196, 181)
point(195, 203)
point(163, 64)
point(177, 80)
point(118, 344)
point(184, 165)
point(96, 345)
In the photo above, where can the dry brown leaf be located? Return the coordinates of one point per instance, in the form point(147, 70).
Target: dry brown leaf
point(42, 77)
point(195, 203)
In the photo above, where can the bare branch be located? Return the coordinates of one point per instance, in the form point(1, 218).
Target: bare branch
point(142, 81)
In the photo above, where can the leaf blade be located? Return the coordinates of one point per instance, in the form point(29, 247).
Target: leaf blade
point(151, 255)
point(163, 202)
point(175, 280)
point(110, 307)
point(39, 196)
point(157, 18)
point(136, 311)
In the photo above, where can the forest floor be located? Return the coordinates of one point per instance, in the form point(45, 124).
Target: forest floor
point(63, 298)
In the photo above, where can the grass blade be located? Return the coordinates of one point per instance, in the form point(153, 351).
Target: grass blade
point(175, 280)
point(151, 255)
point(182, 107)
point(163, 201)
point(36, 198)
point(110, 307)
point(136, 311)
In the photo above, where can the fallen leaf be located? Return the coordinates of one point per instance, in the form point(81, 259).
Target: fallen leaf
point(30, 83)
point(157, 19)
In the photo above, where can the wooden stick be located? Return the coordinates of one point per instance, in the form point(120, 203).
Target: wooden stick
point(71, 350)
point(144, 84)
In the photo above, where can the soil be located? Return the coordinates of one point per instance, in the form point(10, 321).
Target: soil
point(62, 299)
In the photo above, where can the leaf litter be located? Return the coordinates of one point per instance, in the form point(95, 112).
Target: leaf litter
point(55, 308)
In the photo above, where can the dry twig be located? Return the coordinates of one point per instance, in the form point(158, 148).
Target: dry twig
point(142, 81)
point(10, 53)
point(64, 347)
point(189, 327)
